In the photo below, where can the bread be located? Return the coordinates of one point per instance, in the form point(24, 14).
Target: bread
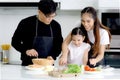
point(42, 61)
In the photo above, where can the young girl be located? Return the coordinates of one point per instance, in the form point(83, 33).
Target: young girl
point(77, 49)
point(96, 34)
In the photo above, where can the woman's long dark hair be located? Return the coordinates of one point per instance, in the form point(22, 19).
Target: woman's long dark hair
point(97, 25)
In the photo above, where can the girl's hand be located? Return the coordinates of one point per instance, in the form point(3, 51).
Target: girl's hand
point(62, 60)
point(32, 52)
point(92, 61)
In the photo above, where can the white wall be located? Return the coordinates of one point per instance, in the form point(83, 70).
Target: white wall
point(10, 17)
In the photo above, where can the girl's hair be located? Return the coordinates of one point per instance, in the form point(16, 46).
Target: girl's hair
point(97, 25)
point(77, 31)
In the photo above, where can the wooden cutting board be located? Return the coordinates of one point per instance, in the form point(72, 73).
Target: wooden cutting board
point(60, 74)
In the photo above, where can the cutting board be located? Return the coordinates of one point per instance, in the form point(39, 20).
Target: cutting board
point(60, 74)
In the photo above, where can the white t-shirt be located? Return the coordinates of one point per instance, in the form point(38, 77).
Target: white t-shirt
point(104, 37)
point(75, 55)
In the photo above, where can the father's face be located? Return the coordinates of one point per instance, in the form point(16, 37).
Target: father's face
point(46, 18)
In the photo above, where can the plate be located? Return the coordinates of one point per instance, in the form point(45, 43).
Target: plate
point(92, 72)
point(48, 68)
point(32, 68)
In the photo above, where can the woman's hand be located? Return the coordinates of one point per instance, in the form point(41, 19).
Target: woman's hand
point(92, 61)
point(62, 60)
point(32, 52)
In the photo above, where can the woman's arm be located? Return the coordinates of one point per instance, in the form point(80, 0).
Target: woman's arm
point(63, 58)
point(100, 55)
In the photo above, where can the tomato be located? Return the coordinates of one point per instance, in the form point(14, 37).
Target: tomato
point(87, 68)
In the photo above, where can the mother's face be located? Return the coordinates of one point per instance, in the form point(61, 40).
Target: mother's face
point(87, 21)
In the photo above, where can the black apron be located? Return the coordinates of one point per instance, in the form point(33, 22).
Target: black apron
point(43, 44)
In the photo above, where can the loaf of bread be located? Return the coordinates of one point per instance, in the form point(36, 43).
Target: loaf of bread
point(43, 61)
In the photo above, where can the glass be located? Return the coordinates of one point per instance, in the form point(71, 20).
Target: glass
point(50, 16)
point(5, 58)
point(5, 53)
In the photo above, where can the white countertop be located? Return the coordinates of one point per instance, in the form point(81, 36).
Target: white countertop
point(18, 72)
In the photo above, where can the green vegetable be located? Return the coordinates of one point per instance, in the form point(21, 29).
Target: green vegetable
point(98, 69)
point(72, 68)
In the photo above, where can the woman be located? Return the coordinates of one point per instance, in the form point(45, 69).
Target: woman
point(96, 34)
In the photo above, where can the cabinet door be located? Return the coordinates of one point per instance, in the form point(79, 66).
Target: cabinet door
point(77, 4)
point(109, 4)
point(33, 0)
point(13, 0)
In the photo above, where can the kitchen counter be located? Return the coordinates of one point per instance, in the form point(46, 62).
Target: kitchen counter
point(18, 72)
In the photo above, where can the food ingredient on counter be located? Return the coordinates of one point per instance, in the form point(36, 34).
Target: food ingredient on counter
point(72, 68)
point(87, 68)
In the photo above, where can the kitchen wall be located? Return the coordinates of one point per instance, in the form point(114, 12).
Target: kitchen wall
point(67, 17)
point(10, 17)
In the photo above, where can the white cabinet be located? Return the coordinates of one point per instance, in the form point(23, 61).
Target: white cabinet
point(13, 0)
point(33, 0)
point(109, 4)
point(24, 0)
point(77, 4)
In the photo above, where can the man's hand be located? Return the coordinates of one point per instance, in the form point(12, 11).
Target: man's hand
point(32, 52)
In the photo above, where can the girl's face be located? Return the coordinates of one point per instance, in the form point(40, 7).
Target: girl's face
point(87, 21)
point(77, 39)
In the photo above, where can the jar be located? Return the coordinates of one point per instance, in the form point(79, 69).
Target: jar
point(1, 56)
point(5, 53)
point(5, 56)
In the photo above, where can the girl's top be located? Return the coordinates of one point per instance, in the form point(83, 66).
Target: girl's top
point(76, 54)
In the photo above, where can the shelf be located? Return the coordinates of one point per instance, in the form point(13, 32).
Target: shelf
point(18, 4)
point(22, 4)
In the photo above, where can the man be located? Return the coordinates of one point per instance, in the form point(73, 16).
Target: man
point(39, 35)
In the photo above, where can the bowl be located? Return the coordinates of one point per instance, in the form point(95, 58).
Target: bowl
point(43, 61)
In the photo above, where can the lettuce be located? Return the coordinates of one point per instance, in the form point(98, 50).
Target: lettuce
point(72, 68)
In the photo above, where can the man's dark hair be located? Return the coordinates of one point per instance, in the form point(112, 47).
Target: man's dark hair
point(47, 6)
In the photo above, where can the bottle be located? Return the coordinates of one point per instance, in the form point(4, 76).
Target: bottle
point(1, 56)
point(5, 58)
point(5, 53)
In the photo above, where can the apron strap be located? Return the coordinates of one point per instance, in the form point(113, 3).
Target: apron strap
point(51, 31)
point(36, 28)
